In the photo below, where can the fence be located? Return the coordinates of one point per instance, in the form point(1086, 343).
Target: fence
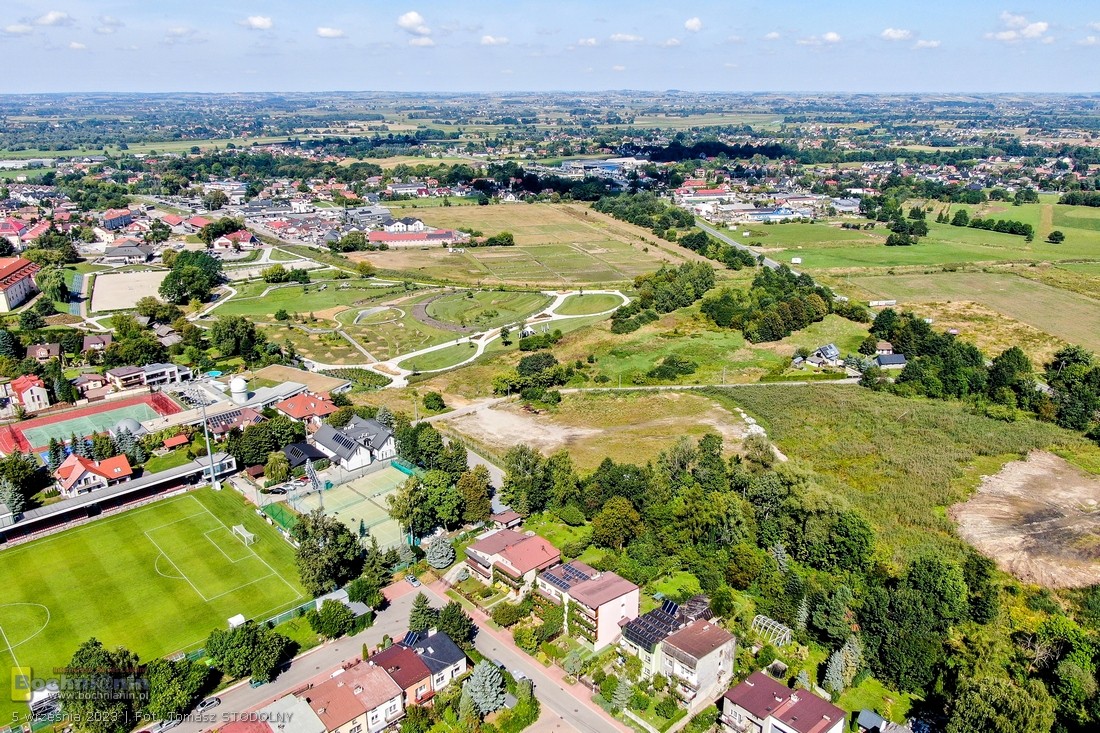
point(291, 614)
point(406, 468)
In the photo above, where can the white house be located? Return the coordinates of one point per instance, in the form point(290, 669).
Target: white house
point(600, 602)
point(359, 443)
point(405, 224)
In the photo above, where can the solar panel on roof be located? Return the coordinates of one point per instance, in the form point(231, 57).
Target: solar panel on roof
point(410, 638)
point(555, 581)
point(671, 608)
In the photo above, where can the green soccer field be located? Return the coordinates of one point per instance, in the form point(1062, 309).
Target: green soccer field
point(156, 580)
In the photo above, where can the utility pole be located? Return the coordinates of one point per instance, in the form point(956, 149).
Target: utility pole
point(209, 454)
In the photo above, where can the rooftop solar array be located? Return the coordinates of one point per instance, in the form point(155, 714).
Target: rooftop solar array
point(650, 629)
point(570, 576)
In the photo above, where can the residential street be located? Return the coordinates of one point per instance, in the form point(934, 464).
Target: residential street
point(565, 708)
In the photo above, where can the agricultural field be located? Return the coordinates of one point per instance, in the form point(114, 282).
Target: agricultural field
point(487, 308)
point(556, 246)
point(1066, 315)
point(157, 580)
point(625, 426)
point(901, 462)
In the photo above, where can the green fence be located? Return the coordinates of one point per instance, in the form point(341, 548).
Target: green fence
point(292, 613)
point(282, 515)
point(406, 468)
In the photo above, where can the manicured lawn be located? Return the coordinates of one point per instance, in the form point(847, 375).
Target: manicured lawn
point(556, 532)
point(583, 305)
point(678, 585)
point(486, 308)
point(157, 580)
point(303, 299)
point(873, 695)
point(299, 631)
point(171, 459)
point(440, 359)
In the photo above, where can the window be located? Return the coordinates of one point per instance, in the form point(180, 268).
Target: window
point(357, 728)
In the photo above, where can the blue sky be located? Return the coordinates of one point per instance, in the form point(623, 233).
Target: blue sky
point(476, 45)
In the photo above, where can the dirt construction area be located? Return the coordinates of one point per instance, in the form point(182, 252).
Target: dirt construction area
point(118, 290)
point(1039, 519)
point(631, 427)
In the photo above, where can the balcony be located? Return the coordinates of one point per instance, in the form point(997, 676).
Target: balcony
point(737, 726)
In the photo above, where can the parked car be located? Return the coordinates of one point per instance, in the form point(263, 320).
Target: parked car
point(164, 725)
point(278, 490)
point(207, 704)
point(412, 580)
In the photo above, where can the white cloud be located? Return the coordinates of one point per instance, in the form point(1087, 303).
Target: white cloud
point(494, 41)
point(618, 67)
point(773, 36)
point(897, 34)
point(18, 29)
point(922, 44)
point(77, 46)
point(626, 38)
point(693, 24)
point(1094, 26)
point(831, 37)
point(421, 41)
point(588, 42)
point(671, 43)
point(326, 32)
point(258, 23)
point(108, 25)
point(413, 22)
point(54, 17)
point(1020, 28)
point(181, 34)
point(1089, 41)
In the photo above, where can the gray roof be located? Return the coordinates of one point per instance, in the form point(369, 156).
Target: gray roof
point(128, 251)
point(358, 433)
point(869, 719)
point(434, 648)
point(829, 351)
point(890, 359)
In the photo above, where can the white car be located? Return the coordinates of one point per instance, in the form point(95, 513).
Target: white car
point(208, 703)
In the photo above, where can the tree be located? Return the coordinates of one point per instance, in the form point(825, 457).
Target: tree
point(250, 649)
point(456, 623)
point(94, 667)
point(1001, 706)
point(618, 522)
point(385, 417)
point(1056, 237)
point(328, 554)
point(12, 497)
point(961, 218)
point(158, 232)
point(441, 553)
point(410, 507)
point(215, 200)
point(524, 487)
point(422, 616)
point(434, 401)
point(55, 454)
point(834, 673)
point(174, 687)
point(473, 486)
point(333, 620)
point(236, 336)
point(30, 320)
point(277, 468)
point(486, 687)
point(51, 281)
point(621, 696)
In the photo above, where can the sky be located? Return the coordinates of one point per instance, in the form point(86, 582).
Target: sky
point(516, 45)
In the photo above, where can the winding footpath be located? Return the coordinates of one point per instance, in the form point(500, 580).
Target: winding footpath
point(399, 375)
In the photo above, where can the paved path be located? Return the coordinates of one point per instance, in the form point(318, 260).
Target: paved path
point(675, 387)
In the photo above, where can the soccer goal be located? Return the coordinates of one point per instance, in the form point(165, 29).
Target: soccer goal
point(244, 534)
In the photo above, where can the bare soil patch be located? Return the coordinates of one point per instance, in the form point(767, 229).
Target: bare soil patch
point(1039, 519)
point(115, 291)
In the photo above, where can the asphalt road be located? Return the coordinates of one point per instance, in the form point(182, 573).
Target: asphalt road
point(563, 711)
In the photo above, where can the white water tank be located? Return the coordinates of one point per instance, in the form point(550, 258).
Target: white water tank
point(238, 389)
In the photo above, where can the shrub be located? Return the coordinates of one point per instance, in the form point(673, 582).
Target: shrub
point(639, 700)
point(571, 515)
point(434, 401)
point(666, 707)
point(281, 315)
point(510, 614)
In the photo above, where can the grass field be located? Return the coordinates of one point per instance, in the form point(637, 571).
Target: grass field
point(157, 580)
point(556, 245)
point(361, 504)
point(1067, 315)
point(901, 462)
point(486, 308)
point(439, 359)
point(251, 301)
point(582, 305)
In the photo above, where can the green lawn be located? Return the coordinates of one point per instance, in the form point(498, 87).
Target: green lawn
point(157, 580)
point(583, 305)
point(304, 299)
point(678, 585)
point(556, 532)
point(172, 459)
point(486, 308)
point(440, 359)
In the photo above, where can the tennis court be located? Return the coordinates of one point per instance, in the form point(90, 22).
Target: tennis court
point(86, 425)
point(361, 504)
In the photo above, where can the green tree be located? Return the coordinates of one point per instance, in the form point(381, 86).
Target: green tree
point(12, 497)
point(158, 233)
point(1056, 237)
point(248, 650)
point(1001, 706)
point(30, 320)
point(328, 554)
point(486, 687)
point(441, 553)
point(410, 507)
point(422, 616)
point(434, 401)
point(277, 468)
point(618, 522)
point(94, 667)
point(456, 623)
point(52, 282)
point(174, 687)
point(525, 482)
point(333, 620)
point(473, 486)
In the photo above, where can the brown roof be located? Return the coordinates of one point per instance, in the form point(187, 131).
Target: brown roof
point(347, 696)
point(797, 709)
point(699, 638)
point(531, 553)
point(506, 517)
point(602, 589)
point(495, 543)
point(402, 665)
point(245, 726)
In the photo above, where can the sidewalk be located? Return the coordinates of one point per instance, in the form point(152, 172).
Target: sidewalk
point(578, 691)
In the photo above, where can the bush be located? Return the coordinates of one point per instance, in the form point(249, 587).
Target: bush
point(434, 401)
point(666, 707)
point(571, 515)
point(510, 614)
point(639, 700)
point(281, 315)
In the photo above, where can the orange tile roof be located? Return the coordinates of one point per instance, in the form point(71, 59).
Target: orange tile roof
point(73, 467)
point(305, 405)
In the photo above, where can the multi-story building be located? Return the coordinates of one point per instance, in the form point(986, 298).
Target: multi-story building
point(409, 672)
point(643, 636)
point(698, 660)
point(440, 655)
point(511, 558)
point(762, 705)
point(597, 603)
point(358, 699)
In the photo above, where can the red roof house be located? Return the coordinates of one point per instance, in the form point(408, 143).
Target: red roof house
point(78, 475)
